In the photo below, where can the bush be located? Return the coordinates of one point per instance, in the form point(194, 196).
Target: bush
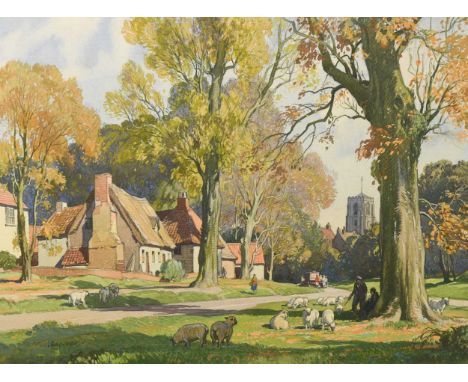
point(7, 260)
point(172, 270)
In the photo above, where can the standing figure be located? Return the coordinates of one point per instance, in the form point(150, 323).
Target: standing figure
point(253, 284)
point(359, 295)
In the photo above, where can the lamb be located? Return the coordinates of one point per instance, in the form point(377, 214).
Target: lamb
point(296, 302)
point(310, 318)
point(328, 320)
point(439, 305)
point(221, 331)
point(113, 290)
point(104, 295)
point(280, 321)
point(190, 333)
point(78, 298)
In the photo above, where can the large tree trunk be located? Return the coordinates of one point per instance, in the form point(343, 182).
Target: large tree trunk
point(211, 195)
point(444, 267)
point(272, 264)
point(26, 252)
point(390, 106)
point(211, 208)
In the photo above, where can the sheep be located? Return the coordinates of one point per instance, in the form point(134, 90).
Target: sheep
point(339, 300)
point(320, 300)
point(439, 305)
point(310, 318)
point(296, 302)
point(78, 298)
point(104, 295)
point(222, 330)
point(329, 301)
point(113, 290)
point(339, 309)
point(280, 321)
point(328, 320)
point(190, 333)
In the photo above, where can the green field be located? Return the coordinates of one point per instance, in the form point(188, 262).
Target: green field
point(139, 293)
point(146, 340)
point(435, 287)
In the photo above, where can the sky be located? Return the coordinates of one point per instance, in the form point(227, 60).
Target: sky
point(93, 51)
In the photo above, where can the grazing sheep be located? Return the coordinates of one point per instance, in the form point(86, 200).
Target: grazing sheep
point(328, 320)
point(190, 333)
point(104, 295)
point(296, 302)
point(329, 301)
point(221, 331)
point(310, 318)
point(339, 309)
point(320, 300)
point(113, 290)
point(439, 305)
point(280, 321)
point(339, 300)
point(78, 298)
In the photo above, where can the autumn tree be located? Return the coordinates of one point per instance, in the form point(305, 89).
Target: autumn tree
point(407, 78)
point(201, 126)
point(443, 193)
point(42, 113)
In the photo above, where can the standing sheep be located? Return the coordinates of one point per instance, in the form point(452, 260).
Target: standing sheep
point(104, 295)
point(310, 318)
point(78, 298)
point(328, 320)
point(222, 330)
point(113, 290)
point(280, 321)
point(190, 333)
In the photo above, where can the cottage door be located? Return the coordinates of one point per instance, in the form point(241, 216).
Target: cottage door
point(147, 263)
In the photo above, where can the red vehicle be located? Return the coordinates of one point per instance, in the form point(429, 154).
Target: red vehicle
point(312, 279)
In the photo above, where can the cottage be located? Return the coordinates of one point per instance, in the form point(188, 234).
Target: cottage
point(184, 226)
point(111, 230)
point(340, 241)
point(256, 259)
point(8, 223)
point(327, 234)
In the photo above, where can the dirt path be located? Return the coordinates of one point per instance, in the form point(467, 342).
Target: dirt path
point(99, 316)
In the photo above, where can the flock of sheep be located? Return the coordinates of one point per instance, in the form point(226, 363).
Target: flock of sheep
point(310, 317)
point(106, 294)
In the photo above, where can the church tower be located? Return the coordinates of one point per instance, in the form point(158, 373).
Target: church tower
point(360, 213)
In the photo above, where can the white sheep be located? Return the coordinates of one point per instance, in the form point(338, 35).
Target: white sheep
point(280, 321)
point(328, 320)
point(439, 305)
point(310, 318)
point(78, 298)
point(339, 309)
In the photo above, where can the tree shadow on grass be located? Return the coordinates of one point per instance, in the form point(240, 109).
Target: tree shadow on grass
point(50, 342)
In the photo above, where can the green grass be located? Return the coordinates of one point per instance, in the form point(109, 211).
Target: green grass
point(146, 340)
point(141, 294)
point(435, 287)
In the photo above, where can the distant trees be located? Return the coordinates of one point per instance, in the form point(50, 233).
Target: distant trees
point(42, 114)
point(444, 189)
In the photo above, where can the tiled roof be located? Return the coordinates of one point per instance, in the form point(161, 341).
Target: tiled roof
point(61, 223)
point(75, 257)
point(141, 218)
point(183, 224)
point(253, 249)
point(6, 198)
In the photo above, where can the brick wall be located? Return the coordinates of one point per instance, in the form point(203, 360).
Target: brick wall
point(107, 273)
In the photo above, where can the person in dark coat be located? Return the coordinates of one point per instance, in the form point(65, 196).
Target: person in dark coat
point(372, 301)
point(359, 295)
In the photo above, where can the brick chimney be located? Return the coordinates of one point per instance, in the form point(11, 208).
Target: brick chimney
point(105, 246)
point(102, 184)
point(182, 201)
point(60, 206)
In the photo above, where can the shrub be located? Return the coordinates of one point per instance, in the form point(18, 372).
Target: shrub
point(7, 260)
point(172, 270)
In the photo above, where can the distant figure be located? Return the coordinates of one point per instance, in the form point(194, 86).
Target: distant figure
point(224, 273)
point(325, 281)
point(372, 301)
point(317, 279)
point(359, 295)
point(253, 284)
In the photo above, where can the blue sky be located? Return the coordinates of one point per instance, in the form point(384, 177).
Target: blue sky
point(93, 51)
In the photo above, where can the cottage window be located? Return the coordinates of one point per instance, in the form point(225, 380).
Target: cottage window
point(10, 216)
point(153, 256)
point(160, 257)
